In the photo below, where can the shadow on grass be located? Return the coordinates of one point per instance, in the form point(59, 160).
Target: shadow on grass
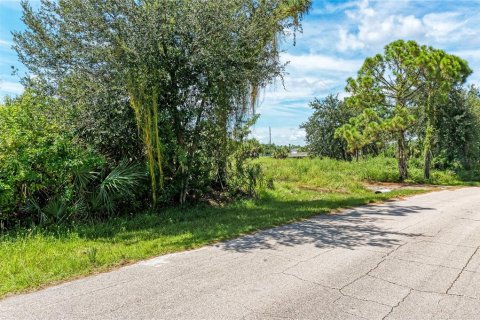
point(198, 226)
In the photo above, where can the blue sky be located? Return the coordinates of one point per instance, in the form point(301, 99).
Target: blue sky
point(337, 37)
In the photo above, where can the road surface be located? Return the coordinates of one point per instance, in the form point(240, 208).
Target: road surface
point(417, 258)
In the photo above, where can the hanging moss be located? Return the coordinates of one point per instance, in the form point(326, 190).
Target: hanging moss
point(144, 102)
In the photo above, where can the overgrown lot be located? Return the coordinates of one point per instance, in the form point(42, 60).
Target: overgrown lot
point(302, 188)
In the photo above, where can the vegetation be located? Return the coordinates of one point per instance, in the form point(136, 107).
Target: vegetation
point(281, 152)
point(409, 98)
point(303, 187)
point(132, 138)
point(148, 83)
point(328, 114)
point(392, 90)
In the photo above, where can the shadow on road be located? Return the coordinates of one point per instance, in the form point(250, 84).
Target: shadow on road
point(190, 228)
point(365, 226)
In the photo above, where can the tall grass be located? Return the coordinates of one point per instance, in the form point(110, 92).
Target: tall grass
point(344, 175)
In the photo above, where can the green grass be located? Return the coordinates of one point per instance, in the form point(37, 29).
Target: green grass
point(350, 175)
point(303, 187)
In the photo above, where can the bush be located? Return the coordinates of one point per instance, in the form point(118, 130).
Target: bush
point(280, 153)
point(37, 161)
point(47, 176)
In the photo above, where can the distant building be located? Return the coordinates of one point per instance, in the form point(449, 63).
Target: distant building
point(294, 153)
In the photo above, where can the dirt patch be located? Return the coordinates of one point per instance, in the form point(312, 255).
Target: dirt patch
point(391, 186)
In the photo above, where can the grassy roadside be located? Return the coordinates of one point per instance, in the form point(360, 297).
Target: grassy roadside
point(32, 258)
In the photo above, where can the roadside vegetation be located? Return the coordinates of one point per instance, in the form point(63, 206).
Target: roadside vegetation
point(35, 257)
point(132, 138)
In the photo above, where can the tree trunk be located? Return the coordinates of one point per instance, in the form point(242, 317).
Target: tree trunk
point(427, 164)
point(402, 156)
point(429, 135)
point(427, 151)
point(186, 169)
point(222, 155)
point(184, 191)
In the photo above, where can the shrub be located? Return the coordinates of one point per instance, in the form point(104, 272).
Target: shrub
point(280, 153)
point(47, 176)
point(37, 161)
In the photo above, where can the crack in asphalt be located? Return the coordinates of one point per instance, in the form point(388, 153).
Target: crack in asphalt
point(339, 290)
point(398, 304)
point(463, 269)
point(469, 219)
point(454, 245)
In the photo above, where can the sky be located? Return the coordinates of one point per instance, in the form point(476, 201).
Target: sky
point(337, 37)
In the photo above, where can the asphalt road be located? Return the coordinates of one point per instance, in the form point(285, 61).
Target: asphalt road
point(417, 258)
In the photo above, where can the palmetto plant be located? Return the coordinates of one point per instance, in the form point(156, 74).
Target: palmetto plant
point(55, 210)
point(120, 183)
point(92, 192)
point(83, 176)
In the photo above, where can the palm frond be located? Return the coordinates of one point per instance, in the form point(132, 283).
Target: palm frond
point(56, 210)
point(121, 182)
point(83, 176)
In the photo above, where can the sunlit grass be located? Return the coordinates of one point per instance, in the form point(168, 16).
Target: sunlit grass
point(303, 188)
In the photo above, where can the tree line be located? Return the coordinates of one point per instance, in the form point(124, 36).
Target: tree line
point(411, 100)
point(122, 91)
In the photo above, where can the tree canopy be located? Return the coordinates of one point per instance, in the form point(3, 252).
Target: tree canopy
point(190, 70)
point(406, 82)
point(328, 114)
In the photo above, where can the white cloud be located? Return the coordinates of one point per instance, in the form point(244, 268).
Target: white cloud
point(318, 62)
point(374, 28)
point(473, 54)
point(286, 104)
point(5, 44)
point(348, 41)
point(308, 76)
point(442, 26)
point(408, 26)
point(372, 25)
point(298, 87)
point(334, 7)
point(8, 87)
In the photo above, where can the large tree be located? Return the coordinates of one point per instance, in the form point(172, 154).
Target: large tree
point(441, 74)
point(387, 84)
point(405, 84)
point(457, 129)
point(191, 70)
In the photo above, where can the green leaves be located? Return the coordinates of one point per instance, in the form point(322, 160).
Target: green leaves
point(190, 70)
point(361, 130)
point(39, 163)
point(393, 88)
point(120, 183)
point(328, 114)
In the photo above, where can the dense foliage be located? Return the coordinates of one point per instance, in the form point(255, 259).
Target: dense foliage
point(190, 71)
point(48, 176)
point(328, 114)
point(120, 88)
point(457, 130)
point(410, 98)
